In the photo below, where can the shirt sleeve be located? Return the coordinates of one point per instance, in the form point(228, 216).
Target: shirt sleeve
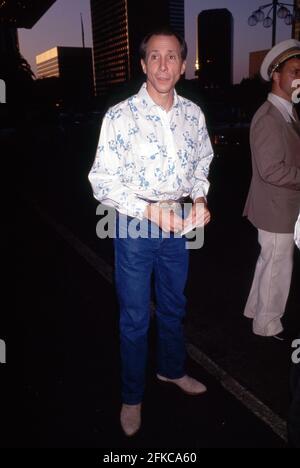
point(106, 173)
point(268, 150)
point(202, 163)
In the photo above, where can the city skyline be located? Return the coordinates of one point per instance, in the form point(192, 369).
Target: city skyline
point(215, 47)
point(117, 34)
point(61, 26)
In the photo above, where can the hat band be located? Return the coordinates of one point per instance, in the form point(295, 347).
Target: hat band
point(287, 54)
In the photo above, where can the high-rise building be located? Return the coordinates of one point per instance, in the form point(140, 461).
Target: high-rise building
point(48, 64)
point(255, 60)
point(296, 26)
point(215, 47)
point(72, 65)
point(118, 28)
point(176, 13)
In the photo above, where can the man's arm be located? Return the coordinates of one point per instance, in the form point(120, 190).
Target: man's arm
point(199, 179)
point(106, 173)
point(199, 214)
point(268, 150)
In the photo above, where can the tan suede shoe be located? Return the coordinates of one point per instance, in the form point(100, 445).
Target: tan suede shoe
point(130, 418)
point(186, 384)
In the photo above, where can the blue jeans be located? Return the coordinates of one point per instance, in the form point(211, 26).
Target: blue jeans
point(135, 261)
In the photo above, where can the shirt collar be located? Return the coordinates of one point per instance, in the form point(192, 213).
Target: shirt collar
point(284, 106)
point(147, 102)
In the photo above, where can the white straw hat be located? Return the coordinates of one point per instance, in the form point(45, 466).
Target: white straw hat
point(277, 55)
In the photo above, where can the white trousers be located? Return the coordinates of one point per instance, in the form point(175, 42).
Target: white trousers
point(271, 285)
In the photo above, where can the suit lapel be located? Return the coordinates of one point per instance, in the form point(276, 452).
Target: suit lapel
point(296, 126)
point(295, 114)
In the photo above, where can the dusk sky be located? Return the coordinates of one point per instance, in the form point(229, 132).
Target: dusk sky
point(61, 26)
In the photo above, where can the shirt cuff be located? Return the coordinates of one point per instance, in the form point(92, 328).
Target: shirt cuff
point(198, 195)
point(135, 210)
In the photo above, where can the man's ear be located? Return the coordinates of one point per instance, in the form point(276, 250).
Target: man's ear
point(143, 65)
point(275, 77)
point(183, 67)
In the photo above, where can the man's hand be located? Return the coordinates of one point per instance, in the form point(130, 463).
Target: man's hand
point(199, 215)
point(166, 219)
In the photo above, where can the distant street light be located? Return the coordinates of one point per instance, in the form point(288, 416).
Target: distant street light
point(280, 10)
point(268, 22)
point(289, 19)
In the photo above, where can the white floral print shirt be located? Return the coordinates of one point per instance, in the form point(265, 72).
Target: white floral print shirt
point(147, 154)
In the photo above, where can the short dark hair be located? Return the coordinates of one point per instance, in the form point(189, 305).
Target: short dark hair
point(163, 31)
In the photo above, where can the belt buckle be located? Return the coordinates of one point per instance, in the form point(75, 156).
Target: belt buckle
point(170, 205)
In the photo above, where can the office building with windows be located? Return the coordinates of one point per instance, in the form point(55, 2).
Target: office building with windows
point(118, 28)
point(72, 65)
point(215, 48)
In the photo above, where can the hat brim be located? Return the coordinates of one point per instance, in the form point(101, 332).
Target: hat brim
point(268, 70)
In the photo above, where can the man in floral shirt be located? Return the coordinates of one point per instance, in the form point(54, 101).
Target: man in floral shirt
point(154, 149)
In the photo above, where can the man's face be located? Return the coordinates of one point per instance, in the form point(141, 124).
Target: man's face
point(284, 79)
point(163, 64)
